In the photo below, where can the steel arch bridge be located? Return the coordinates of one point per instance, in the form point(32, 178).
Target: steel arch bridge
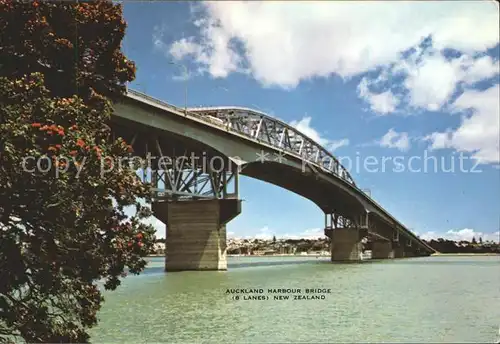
point(221, 128)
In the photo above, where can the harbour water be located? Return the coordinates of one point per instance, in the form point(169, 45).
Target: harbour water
point(441, 299)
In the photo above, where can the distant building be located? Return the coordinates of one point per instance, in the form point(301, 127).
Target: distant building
point(159, 248)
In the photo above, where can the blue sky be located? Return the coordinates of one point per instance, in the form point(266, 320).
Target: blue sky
point(380, 80)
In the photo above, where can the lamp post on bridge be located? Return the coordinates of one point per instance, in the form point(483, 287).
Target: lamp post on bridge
point(185, 83)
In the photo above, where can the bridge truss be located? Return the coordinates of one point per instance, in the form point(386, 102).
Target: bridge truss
point(275, 133)
point(180, 176)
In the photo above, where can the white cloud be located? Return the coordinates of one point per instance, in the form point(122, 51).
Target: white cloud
point(336, 144)
point(265, 234)
point(286, 42)
point(382, 103)
point(184, 47)
point(304, 126)
point(393, 139)
point(465, 234)
point(432, 81)
point(479, 133)
point(428, 79)
point(481, 68)
point(312, 233)
point(283, 43)
point(214, 53)
point(439, 140)
point(158, 41)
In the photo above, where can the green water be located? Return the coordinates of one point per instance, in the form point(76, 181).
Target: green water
point(432, 299)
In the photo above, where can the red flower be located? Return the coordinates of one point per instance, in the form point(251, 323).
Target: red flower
point(35, 4)
point(36, 125)
point(139, 236)
point(61, 132)
point(80, 143)
point(130, 244)
point(73, 153)
point(58, 146)
point(140, 244)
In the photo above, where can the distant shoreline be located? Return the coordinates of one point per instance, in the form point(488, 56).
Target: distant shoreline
point(277, 255)
point(466, 254)
point(248, 255)
point(322, 255)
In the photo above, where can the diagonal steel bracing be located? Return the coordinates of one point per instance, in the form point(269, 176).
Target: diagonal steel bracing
point(181, 174)
point(276, 133)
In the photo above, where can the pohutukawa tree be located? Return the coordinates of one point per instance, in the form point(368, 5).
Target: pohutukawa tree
point(62, 224)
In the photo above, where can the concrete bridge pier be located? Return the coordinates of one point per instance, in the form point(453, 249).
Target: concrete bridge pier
point(345, 244)
point(196, 232)
point(382, 249)
point(399, 252)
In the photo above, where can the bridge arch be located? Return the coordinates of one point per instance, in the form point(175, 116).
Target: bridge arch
point(240, 133)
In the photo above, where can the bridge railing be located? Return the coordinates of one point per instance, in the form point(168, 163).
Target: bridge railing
point(165, 104)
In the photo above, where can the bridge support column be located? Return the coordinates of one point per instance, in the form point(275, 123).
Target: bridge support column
point(399, 252)
point(346, 244)
point(382, 250)
point(196, 232)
